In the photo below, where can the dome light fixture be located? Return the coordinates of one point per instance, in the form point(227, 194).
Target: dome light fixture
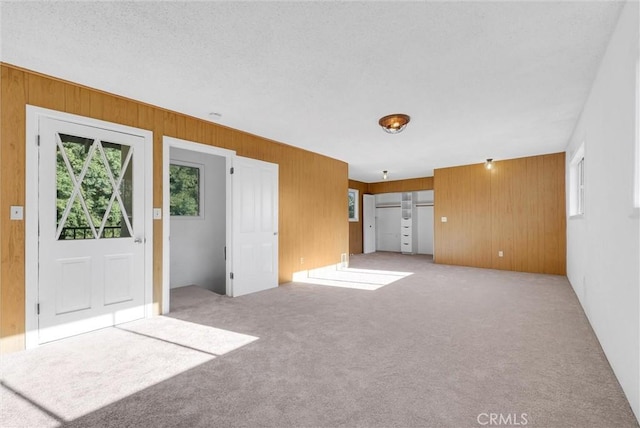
point(394, 123)
point(385, 174)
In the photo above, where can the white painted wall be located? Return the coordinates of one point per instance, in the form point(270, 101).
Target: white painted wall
point(197, 245)
point(603, 246)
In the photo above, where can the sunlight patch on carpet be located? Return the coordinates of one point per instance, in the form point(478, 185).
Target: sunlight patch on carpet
point(66, 379)
point(359, 279)
point(191, 335)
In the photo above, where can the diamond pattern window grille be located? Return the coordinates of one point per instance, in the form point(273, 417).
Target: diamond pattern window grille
point(94, 183)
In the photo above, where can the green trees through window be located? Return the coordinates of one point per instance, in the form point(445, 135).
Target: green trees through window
point(96, 188)
point(184, 187)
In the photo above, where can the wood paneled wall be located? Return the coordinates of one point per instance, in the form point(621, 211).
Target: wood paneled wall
point(313, 188)
point(518, 208)
point(408, 185)
point(462, 194)
point(355, 227)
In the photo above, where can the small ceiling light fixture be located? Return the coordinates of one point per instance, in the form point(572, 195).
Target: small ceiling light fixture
point(488, 164)
point(385, 175)
point(394, 123)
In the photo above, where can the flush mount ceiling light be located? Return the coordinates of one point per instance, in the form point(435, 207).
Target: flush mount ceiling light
point(385, 175)
point(394, 123)
point(488, 164)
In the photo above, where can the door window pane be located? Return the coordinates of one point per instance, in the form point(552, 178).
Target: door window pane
point(88, 172)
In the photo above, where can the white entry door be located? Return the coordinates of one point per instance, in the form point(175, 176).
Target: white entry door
point(91, 229)
point(369, 224)
point(255, 226)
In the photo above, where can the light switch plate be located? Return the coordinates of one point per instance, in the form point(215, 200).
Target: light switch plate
point(17, 212)
point(443, 219)
point(157, 213)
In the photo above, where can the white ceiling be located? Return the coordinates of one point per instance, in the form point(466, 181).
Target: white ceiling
point(479, 79)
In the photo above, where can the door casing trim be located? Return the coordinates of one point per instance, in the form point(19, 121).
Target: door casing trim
point(33, 115)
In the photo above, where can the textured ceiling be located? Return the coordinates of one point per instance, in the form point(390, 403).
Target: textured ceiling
point(479, 79)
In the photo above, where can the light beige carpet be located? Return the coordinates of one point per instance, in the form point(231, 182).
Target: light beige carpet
point(443, 347)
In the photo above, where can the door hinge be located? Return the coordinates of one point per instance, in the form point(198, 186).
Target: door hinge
point(38, 141)
point(231, 170)
point(38, 308)
point(231, 275)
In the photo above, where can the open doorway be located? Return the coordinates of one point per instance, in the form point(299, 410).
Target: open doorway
point(250, 252)
point(197, 213)
point(391, 234)
point(197, 194)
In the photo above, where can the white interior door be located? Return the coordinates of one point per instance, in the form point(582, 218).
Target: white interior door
point(369, 224)
point(91, 228)
point(255, 226)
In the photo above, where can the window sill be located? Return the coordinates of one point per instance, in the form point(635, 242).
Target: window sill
point(186, 217)
point(576, 217)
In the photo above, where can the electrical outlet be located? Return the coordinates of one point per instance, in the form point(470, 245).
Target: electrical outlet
point(157, 213)
point(443, 219)
point(301, 260)
point(500, 254)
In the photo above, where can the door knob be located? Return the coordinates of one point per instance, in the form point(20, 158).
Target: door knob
point(137, 240)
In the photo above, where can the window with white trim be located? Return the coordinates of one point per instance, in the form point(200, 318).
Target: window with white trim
point(636, 189)
point(185, 181)
point(577, 183)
